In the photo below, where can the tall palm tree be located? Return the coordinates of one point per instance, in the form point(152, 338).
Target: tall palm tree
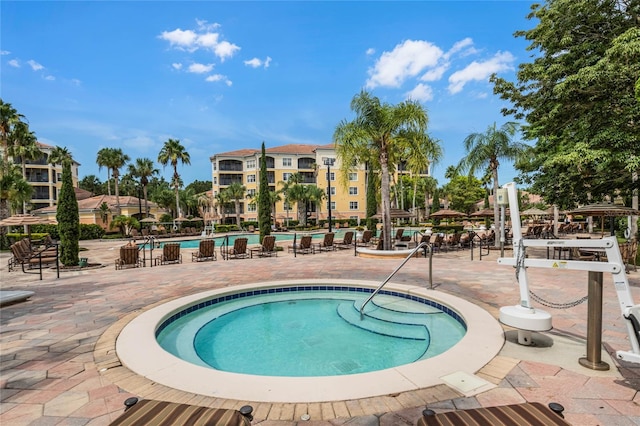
point(104, 159)
point(420, 155)
point(294, 179)
point(236, 192)
point(143, 169)
point(9, 117)
point(23, 144)
point(222, 199)
point(118, 160)
point(376, 132)
point(315, 195)
point(485, 150)
point(173, 153)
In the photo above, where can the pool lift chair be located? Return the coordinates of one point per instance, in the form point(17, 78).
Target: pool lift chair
point(527, 319)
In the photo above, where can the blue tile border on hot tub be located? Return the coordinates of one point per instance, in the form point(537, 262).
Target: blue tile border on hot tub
point(274, 290)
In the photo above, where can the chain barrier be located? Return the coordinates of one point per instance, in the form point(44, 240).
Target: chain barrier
point(544, 302)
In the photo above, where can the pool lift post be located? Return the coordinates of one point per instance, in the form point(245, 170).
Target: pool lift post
point(527, 319)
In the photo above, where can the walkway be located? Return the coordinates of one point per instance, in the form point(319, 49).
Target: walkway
point(58, 368)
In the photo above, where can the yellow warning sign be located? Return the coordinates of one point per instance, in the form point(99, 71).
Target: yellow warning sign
point(555, 265)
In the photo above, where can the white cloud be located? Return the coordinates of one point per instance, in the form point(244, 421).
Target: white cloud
point(176, 66)
point(34, 65)
point(219, 77)
point(4, 52)
point(14, 63)
point(420, 93)
point(370, 51)
point(460, 46)
point(256, 62)
point(49, 78)
point(478, 71)
point(435, 74)
point(200, 68)
point(225, 50)
point(406, 60)
point(204, 37)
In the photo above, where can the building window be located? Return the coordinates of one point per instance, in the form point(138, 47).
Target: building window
point(286, 162)
point(333, 190)
point(286, 176)
point(251, 178)
point(59, 176)
point(353, 177)
point(353, 190)
point(353, 205)
point(333, 176)
point(215, 180)
point(252, 207)
point(215, 166)
point(251, 164)
point(333, 205)
point(251, 192)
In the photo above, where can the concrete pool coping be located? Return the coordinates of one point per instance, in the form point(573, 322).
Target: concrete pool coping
point(481, 343)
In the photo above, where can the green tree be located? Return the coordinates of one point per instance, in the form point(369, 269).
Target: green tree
point(294, 179)
point(143, 169)
point(373, 183)
point(428, 185)
point(199, 186)
point(92, 184)
point(264, 202)
point(173, 153)
point(222, 199)
point(104, 213)
point(464, 192)
point(236, 192)
point(113, 159)
point(577, 98)
point(376, 132)
point(486, 150)
point(9, 118)
point(67, 213)
point(23, 145)
point(125, 224)
point(104, 159)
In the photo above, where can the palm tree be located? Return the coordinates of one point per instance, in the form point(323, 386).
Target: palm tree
point(315, 195)
point(9, 117)
point(420, 155)
point(222, 199)
point(377, 132)
point(104, 159)
point(173, 153)
point(485, 150)
point(143, 169)
point(23, 144)
point(294, 179)
point(236, 192)
point(118, 160)
point(428, 185)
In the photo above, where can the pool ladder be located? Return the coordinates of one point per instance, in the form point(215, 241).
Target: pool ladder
point(427, 247)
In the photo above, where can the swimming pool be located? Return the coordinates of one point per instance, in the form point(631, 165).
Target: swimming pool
point(316, 329)
point(139, 351)
point(251, 239)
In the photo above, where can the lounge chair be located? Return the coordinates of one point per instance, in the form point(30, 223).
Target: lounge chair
point(346, 242)
point(238, 251)
point(206, 251)
point(327, 242)
point(267, 248)
point(170, 254)
point(129, 257)
point(304, 247)
point(29, 258)
point(400, 235)
point(365, 240)
point(528, 413)
point(163, 413)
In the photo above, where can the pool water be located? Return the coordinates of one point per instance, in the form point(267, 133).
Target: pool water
point(310, 333)
point(251, 239)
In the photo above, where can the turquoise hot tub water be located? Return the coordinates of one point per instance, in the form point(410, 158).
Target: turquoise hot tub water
point(310, 331)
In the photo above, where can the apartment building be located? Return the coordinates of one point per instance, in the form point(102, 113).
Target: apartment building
point(316, 164)
point(45, 178)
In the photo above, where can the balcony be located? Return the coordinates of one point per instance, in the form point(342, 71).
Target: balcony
point(230, 166)
point(228, 180)
point(306, 163)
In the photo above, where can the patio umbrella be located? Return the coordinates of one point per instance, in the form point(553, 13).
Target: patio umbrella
point(447, 213)
point(534, 212)
point(487, 212)
point(395, 214)
point(25, 220)
point(149, 220)
point(604, 210)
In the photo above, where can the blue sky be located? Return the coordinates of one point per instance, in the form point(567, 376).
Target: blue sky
point(221, 76)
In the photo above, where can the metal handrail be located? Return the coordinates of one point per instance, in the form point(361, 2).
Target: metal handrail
point(418, 247)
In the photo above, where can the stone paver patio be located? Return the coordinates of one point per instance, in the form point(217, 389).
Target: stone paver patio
point(58, 364)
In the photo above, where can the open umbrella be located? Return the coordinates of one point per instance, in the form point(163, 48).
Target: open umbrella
point(447, 213)
point(25, 220)
point(604, 210)
point(486, 212)
point(534, 212)
point(149, 220)
point(395, 214)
